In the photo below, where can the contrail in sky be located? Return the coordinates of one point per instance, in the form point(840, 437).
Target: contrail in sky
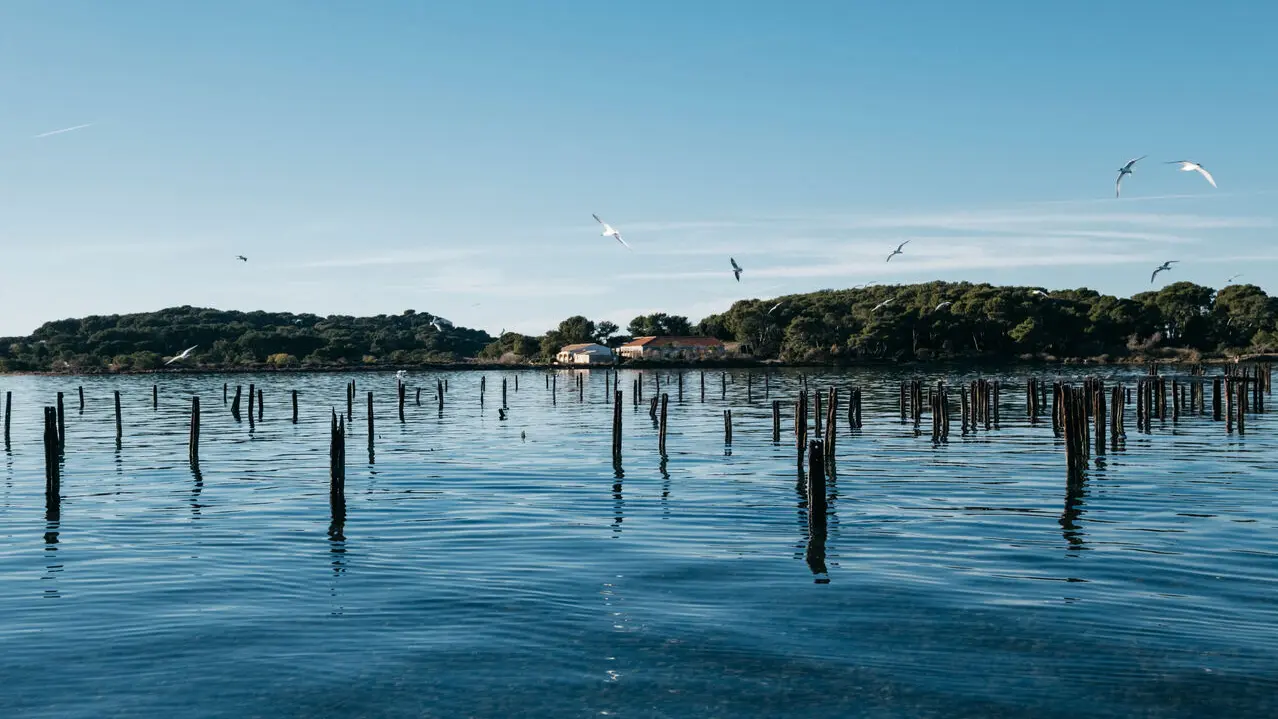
point(65, 129)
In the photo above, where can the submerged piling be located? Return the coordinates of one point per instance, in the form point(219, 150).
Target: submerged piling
point(193, 440)
point(399, 396)
point(62, 425)
point(661, 431)
point(616, 425)
point(52, 489)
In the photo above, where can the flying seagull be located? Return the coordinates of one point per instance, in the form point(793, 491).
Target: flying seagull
point(608, 231)
point(897, 251)
point(1165, 266)
point(883, 304)
point(1231, 279)
point(736, 269)
point(401, 375)
point(184, 354)
point(1039, 292)
point(774, 307)
point(241, 258)
point(1125, 170)
point(942, 306)
point(65, 129)
point(1187, 166)
point(441, 324)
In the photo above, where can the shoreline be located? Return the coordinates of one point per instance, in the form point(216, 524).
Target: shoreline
point(742, 363)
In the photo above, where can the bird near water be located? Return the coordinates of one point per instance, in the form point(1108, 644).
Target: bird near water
point(181, 355)
point(736, 269)
point(897, 251)
point(1188, 166)
point(1166, 266)
point(609, 231)
point(1125, 170)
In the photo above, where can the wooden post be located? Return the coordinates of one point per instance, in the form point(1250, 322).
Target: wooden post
point(400, 389)
point(516, 383)
point(727, 426)
point(1056, 409)
point(119, 420)
point(260, 405)
point(80, 389)
point(350, 402)
point(1242, 406)
point(1175, 401)
point(419, 396)
point(370, 427)
point(252, 399)
point(816, 479)
point(816, 416)
point(831, 433)
point(337, 456)
point(155, 396)
point(224, 386)
point(193, 442)
point(503, 394)
point(776, 421)
point(1098, 417)
point(703, 385)
point(996, 398)
point(62, 425)
point(963, 409)
point(8, 411)
point(1229, 404)
point(294, 406)
point(52, 489)
point(749, 387)
point(616, 425)
point(901, 401)
point(235, 404)
point(856, 393)
point(439, 390)
point(652, 408)
point(723, 385)
point(661, 432)
point(581, 388)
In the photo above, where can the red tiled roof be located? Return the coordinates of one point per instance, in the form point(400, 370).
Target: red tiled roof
point(674, 342)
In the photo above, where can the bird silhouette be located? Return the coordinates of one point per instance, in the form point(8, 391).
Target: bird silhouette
point(736, 269)
point(182, 355)
point(1125, 170)
point(897, 251)
point(1166, 266)
point(241, 258)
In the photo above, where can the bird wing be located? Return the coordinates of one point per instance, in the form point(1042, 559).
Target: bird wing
point(618, 236)
point(1118, 186)
point(1133, 162)
point(1206, 174)
point(902, 245)
point(735, 266)
point(890, 256)
point(172, 360)
point(598, 220)
point(1151, 277)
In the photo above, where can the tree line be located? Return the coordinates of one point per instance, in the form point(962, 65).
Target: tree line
point(936, 320)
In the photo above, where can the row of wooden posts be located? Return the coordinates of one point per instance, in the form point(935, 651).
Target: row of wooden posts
point(1077, 413)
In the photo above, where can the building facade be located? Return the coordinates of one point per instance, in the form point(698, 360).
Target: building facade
point(672, 348)
point(585, 353)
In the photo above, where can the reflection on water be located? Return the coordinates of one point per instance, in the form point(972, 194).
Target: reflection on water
point(489, 575)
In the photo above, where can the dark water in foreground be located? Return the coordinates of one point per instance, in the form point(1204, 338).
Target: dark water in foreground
point(481, 573)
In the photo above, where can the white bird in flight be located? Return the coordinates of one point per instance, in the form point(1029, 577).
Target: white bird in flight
point(1039, 292)
point(608, 231)
point(401, 375)
point(942, 306)
point(183, 355)
point(774, 307)
point(1165, 266)
point(897, 251)
point(1187, 166)
point(736, 269)
point(883, 304)
point(65, 129)
point(1125, 170)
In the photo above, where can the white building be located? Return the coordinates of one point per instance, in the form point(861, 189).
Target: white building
point(587, 353)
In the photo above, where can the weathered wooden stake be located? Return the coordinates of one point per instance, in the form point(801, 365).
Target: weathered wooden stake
point(62, 425)
point(439, 391)
point(723, 385)
point(119, 420)
point(400, 398)
point(370, 428)
point(252, 399)
point(661, 431)
point(1098, 417)
point(8, 411)
point(749, 387)
point(503, 394)
point(776, 421)
point(703, 385)
point(155, 396)
point(52, 489)
point(680, 381)
point(224, 386)
point(80, 389)
point(193, 441)
point(419, 397)
point(727, 426)
point(260, 405)
point(616, 425)
point(816, 416)
point(295, 406)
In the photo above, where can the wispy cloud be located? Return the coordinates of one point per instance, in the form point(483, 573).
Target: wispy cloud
point(65, 129)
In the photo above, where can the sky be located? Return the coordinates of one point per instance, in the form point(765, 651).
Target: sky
point(370, 158)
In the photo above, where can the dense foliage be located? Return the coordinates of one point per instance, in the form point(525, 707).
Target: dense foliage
point(930, 321)
point(238, 339)
point(998, 322)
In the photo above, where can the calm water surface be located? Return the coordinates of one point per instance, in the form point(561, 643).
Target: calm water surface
point(491, 567)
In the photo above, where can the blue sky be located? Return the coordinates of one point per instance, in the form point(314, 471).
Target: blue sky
point(446, 157)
